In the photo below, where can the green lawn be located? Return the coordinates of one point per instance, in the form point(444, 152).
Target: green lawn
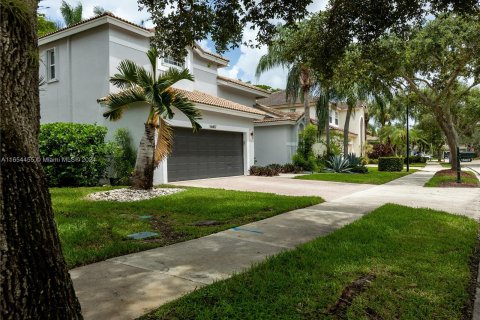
point(373, 176)
point(448, 178)
point(96, 230)
point(410, 263)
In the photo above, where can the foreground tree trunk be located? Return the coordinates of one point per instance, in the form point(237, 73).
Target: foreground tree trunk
point(144, 166)
point(327, 134)
point(34, 280)
point(346, 129)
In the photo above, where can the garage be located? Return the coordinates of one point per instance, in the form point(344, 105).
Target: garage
point(205, 154)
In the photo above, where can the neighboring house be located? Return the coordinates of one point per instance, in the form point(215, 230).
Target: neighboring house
point(276, 135)
point(79, 60)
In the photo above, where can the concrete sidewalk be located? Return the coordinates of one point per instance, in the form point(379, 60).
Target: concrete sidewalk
point(129, 286)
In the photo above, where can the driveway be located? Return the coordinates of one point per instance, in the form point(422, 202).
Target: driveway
point(280, 185)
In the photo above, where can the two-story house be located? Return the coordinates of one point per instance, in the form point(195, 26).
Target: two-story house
point(276, 135)
point(78, 61)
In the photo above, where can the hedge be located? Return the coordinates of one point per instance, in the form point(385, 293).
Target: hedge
point(390, 164)
point(73, 154)
point(416, 159)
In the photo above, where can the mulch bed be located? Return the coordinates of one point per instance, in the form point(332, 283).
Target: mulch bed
point(453, 184)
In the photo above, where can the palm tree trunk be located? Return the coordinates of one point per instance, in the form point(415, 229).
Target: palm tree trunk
point(144, 166)
point(34, 279)
point(346, 130)
point(327, 134)
point(306, 106)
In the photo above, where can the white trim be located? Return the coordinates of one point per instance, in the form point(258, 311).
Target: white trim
point(257, 93)
point(274, 123)
point(201, 53)
point(232, 112)
point(202, 68)
point(55, 64)
point(92, 24)
point(127, 44)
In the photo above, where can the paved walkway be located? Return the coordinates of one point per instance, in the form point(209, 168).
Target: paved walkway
point(129, 286)
point(280, 185)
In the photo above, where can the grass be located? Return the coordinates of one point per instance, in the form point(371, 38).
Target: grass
point(372, 177)
point(417, 260)
point(96, 230)
point(448, 178)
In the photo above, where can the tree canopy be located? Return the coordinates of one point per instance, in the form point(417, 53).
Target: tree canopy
point(180, 23)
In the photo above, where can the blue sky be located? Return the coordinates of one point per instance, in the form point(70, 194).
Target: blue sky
point(243, 60)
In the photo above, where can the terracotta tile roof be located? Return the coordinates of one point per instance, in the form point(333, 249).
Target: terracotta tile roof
point(279, 98)
point(202, 97)
point(273, 111)
point(109, 14)
point(205, 98)
point(244, 84)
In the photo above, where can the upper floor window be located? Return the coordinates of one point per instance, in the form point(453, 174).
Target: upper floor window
point(172, 62)
point(333, 117)
point(51, 65)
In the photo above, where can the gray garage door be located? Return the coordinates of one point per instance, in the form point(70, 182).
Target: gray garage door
point(205, 154)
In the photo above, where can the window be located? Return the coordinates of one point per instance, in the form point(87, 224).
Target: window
point(51, 65)
point(330, 116)
point(336, 117)
point(172, 62)
point(333, 117)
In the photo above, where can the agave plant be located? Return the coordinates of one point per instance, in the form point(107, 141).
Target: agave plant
point(354, 160)
point(338, 164)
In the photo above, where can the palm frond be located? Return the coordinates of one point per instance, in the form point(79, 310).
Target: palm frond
point(293, 83)
point(71, 14)
point(172, 76)
point(181, 102)
point(152, 55)
point(117, 103)
point(97, 10)
point(273, 58)
point(164, 142)
point(127, 75)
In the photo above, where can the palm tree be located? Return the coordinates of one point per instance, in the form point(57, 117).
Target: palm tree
point(97, 10)
point(71, 14)
point(300, 78)
point(140, 85)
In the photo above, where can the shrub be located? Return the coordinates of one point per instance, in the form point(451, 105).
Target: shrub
point(73, 154)
point(372, 161)
point(390, 164)
point(416, 159)
point(338, 164)
point(288, 168)
point(359, 169)
point(304, 156)
point(277, 168)
point(381, 150)
point(308, 164)
point(122, 158)
point(263, 171)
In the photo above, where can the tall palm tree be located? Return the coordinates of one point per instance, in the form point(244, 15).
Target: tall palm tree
point(71, 14)
point(300, 78)
point(140, 85)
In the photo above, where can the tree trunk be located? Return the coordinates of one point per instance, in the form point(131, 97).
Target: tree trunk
point(346, 130)
point(452, 141)
point(144, 166)
point(446, 124)
point(34, 279)
point(327, 133)
point(306, 107)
